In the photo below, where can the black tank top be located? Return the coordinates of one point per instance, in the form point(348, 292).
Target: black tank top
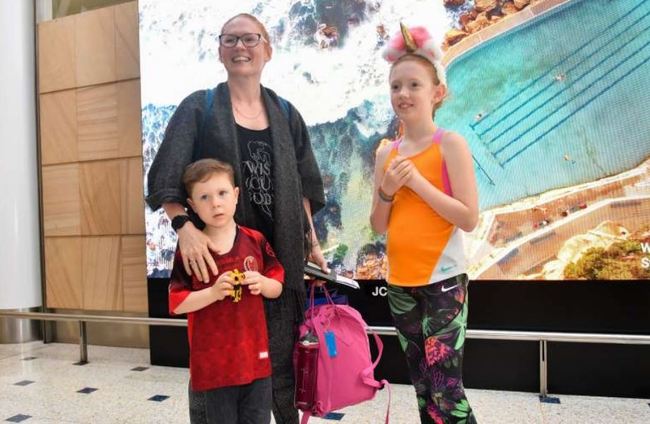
point(257, 176)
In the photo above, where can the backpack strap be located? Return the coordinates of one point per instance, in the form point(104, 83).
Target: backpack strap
point(367, 378)
point(305, 417)
point(286, 110)
point(200, 134)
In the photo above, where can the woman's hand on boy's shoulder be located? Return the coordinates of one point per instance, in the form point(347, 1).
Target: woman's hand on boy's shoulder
point(195, 249)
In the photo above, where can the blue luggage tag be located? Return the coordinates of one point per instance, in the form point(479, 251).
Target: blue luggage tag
point(330, 341)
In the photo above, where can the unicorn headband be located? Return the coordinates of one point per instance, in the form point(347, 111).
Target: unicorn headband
point(416, 40)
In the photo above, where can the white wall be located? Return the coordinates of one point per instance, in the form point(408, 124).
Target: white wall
point(20, 273)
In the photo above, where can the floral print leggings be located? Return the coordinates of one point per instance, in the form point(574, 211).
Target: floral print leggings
point(431, 322)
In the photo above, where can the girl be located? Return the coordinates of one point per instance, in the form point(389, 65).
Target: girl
point(424, 196)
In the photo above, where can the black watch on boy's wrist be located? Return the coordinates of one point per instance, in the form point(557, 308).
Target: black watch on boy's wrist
point(179, 221)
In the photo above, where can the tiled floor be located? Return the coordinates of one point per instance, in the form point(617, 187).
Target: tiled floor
point(119, 386)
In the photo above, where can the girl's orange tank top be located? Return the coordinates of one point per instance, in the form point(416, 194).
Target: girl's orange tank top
point(420, 245)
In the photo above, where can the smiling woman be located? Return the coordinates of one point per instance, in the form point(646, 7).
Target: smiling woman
point(265, 139)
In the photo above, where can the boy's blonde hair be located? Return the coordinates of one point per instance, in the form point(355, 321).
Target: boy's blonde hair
point(203, 169)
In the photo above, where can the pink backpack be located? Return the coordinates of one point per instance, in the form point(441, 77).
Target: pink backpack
point(345, 371)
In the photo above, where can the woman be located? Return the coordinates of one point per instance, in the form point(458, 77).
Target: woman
point(266, 140)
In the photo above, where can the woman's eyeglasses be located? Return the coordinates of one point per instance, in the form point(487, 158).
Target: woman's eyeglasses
point(248, 40)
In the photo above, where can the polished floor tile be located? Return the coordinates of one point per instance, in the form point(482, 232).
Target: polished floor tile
point(118, 385)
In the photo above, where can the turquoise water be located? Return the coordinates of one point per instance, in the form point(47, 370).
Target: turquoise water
point(564, 99)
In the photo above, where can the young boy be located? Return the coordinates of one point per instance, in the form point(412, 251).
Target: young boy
point(229, 359)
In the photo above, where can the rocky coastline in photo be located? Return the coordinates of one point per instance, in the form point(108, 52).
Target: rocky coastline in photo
point(475, 15)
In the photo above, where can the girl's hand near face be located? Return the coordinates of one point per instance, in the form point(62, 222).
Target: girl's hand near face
point(398, 173)
point(414, 179)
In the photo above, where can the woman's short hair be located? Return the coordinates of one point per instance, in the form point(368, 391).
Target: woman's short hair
point(263, 30)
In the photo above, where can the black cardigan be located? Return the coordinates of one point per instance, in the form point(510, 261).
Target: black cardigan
point(295, 171)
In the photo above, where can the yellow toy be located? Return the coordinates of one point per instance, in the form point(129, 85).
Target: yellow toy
point(238, 277)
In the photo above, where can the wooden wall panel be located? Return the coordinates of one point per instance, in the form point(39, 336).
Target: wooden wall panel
point(92, 161)
point(109, 121)
point(127, 49)
point(102, 280)
point(132, 192)
point(63, 270)
point(129, 118)
point(95, 47)
point(56, 55)
point(100, 197)
point(134, 273)
point(58, 120)
point(61, 202)
point(98, 125)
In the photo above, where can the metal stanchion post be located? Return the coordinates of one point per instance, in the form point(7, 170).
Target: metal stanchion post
point(83, 344)
point(543, 369)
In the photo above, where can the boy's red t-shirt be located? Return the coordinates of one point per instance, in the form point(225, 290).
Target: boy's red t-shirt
point(228, 341)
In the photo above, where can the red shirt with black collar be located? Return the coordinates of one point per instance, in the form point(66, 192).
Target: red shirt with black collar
point(228, 340)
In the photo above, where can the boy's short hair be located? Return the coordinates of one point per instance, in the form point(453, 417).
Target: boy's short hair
point(203, 169)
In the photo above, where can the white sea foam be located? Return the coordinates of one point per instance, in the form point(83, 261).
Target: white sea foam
point(323, 83)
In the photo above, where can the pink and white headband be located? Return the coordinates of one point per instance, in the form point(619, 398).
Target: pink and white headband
point(416, 40)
